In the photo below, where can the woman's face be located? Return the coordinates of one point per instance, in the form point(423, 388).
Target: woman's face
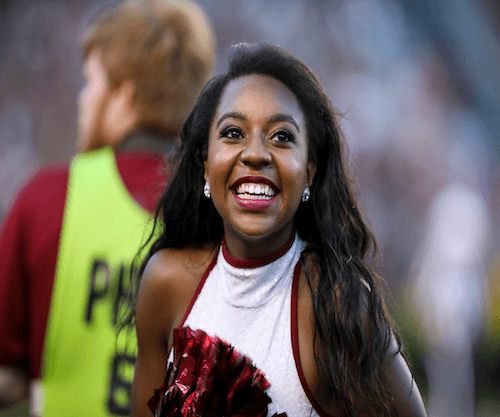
point(257, 164)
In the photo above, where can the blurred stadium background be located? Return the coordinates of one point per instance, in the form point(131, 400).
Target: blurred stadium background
point(418, 87)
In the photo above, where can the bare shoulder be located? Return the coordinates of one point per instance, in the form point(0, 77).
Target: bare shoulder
point(170, 279)
point(167, 265)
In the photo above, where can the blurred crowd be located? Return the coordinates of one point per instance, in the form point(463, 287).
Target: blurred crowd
point(417, 88)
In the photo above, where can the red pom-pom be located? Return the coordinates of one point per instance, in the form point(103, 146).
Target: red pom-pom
point(209, 378)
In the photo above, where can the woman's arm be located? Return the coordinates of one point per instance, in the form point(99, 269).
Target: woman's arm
point(167, 286)
point(400, 383)
point(398, 378)
point(152, 327)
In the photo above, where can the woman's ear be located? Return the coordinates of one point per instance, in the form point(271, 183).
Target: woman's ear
point(311, 172)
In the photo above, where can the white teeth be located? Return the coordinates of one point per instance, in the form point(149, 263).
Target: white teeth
point(255, 191)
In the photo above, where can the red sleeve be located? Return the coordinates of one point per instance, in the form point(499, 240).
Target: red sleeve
point(29, 240)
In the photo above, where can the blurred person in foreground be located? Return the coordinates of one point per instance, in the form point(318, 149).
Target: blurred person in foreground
point(68, 240)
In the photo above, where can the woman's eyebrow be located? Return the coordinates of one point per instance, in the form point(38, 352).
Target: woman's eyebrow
point(232, 114)
point(281, 117)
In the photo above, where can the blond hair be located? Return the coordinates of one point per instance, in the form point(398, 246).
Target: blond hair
point(165, 48)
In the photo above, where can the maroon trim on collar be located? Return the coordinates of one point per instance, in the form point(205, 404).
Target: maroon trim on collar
point(295, 344)
point(199, 288)
point(256, 262)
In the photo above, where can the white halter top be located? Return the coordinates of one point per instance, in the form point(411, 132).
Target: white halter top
point(249, 304)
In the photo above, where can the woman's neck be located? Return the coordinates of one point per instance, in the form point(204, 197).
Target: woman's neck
point(256, 247)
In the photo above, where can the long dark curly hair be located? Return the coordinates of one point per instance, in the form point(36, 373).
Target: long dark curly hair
point(352, 328)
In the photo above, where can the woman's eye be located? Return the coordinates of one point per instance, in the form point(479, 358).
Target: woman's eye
point(232, 133)
point(283, 136)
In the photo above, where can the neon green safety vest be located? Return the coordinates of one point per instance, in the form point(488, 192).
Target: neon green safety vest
point(85, 370)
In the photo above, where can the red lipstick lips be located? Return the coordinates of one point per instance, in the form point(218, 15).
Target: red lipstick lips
point(256, 180)
point(257, 204)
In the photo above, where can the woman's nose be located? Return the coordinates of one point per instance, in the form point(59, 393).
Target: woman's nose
point(256, 151)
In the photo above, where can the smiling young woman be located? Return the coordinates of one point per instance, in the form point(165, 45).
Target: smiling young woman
point(257, 165)
point(262, 245)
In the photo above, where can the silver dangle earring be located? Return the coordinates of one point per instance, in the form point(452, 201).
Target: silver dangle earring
point(306, 194)
point(206, 190)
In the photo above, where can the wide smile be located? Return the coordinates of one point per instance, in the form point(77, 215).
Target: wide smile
point(254, 193)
